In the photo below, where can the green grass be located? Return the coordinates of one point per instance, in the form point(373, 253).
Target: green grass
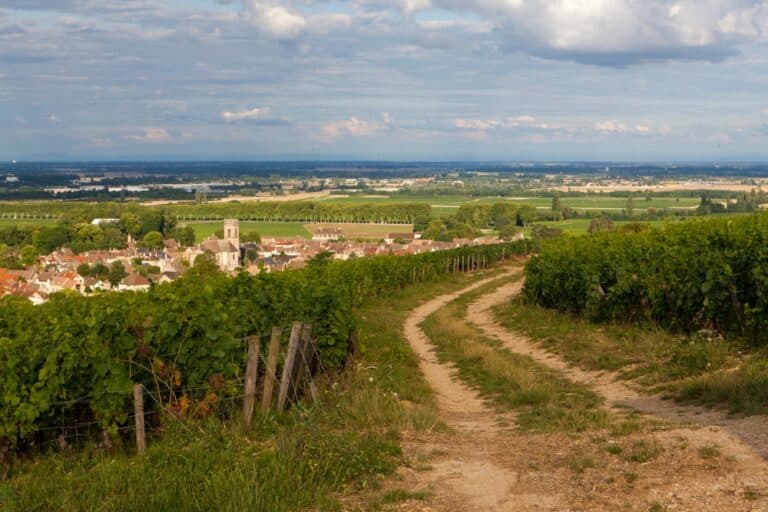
point(691, 369)
point(742, 391)
point(545, 401)
point(204, 230)
point(301, 460)
point(709, 452)
point(8, 223)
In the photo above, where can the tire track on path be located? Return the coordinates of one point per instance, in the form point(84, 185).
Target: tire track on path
point(745, 438)
point(469, 475)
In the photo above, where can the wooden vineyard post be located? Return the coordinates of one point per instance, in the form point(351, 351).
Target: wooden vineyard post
point(270, 376)
point(302, 360)
point(138, 411)
point(290, 360)
point(250, 379)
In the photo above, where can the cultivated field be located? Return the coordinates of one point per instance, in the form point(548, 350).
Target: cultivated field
point(365, 230)
point(204, 230)
point(448, 204)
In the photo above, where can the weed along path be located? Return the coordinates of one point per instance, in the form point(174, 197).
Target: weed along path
point(742, 437)
point(515, 443)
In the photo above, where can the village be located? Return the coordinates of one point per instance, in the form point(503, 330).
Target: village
point(137, 268)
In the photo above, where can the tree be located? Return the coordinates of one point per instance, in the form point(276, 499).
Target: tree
point(28, 255)
point(84, 269)
point(100, 271)
point(420, 223)
point(556, 205)
point(153, 240)
point(321, 259)
point(185, 236)
point(129, 224)
point(525, 215)
point(251, 236)
point(116, 272)
point(600, 224)
point(630, 205)
point(508, 231)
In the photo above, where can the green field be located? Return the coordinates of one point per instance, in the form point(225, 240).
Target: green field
point(6, 223)
point(204, 230)
point(448, 204)
point(580, 226)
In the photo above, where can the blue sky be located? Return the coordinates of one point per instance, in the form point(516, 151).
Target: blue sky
point(373, 79)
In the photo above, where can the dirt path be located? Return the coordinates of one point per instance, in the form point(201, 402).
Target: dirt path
point(468, 477)
point(485, 464)
point(741, 436)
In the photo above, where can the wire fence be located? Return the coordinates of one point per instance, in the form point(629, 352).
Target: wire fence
point(167, 402)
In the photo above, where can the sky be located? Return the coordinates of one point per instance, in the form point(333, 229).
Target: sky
point(511, 80)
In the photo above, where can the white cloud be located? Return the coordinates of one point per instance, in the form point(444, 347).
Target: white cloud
point(54, 118)
point(355, 127)
point(614, 126)
point(410, 6)
point(247, 115)
point(619, 32)
point(274, 20)
point(475, 124)
point(610, 126)
point(152, 135)
point(489, 124)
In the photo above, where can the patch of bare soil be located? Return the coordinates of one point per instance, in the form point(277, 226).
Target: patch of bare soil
point(301, 196)
point(485, 464)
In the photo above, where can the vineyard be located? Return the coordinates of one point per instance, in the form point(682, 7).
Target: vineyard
point(74, 359)
point(706, 274)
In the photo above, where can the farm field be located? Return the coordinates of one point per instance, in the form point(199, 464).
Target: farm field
point(365, 230)
point(204, 230)
point(448, 204)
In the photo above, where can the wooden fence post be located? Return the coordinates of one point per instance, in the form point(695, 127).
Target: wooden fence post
point(270, 376)
point(290, 360)
point(138, 410)
point(250, 379)
point(302, 360)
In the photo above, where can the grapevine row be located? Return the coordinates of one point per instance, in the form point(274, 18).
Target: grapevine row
point(704, 274)
point(187, 334)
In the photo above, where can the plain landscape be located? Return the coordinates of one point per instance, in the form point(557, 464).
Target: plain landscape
point(383, 256)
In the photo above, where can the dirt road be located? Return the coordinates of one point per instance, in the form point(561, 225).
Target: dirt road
point(486, 464)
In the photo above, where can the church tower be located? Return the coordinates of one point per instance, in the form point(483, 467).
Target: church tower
point(232, 232)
